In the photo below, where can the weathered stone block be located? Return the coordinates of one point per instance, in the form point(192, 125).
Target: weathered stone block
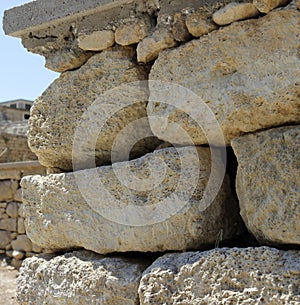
point(4, 239)
point(12, 209)
point(223, 276)
point(66, 100)
point(161, 210)
point(96, 41)
point(22, 243)
point(80, 277)
point(150, 47)
point(8, 224)
point(132, 31)
point(246, 85)
point(267, 184)
point(7, 189)
point(234, 12)
point(21, 226)
point(265, 6)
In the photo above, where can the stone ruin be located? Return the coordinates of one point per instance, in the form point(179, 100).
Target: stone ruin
point(157, 104)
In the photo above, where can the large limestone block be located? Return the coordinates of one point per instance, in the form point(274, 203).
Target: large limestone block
point(223, 276)
point(79, 277)
point(58, 112)
point(268, 184)
point(247, 73)
point(154, 206)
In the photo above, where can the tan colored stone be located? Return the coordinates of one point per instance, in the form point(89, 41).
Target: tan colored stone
point(7, 189)
point(60, 56)
point(22, 243)
point(36, 248)
point(265, 6)
point(199, 23)
point(246, 85)
point(96, 41)
point(58, 216)
point(18, 195)
point(132, 31)
point(234, 12)
point(80, 277)
point(10, 174)
point(223, 276)
point(21, 226)
point(179, 29)
point(4, 239)
point(73, 94)
point(14, 235)
point(8, 224)
point(267, 184)
point(297, 4)
point(21, 211)
point(8, 247)
point(150, 47)
point(12, 209)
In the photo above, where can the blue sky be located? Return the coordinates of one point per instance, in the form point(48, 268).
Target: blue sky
point(22, 74)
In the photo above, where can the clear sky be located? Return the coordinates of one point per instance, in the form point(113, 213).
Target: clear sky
point(22, 74)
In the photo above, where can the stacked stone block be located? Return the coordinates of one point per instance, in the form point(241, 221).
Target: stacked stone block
point(14, 242)
point(240, 60)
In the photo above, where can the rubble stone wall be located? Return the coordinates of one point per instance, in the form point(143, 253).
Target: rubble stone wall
point(14, 148)
point(135, 206)
point(14, 242)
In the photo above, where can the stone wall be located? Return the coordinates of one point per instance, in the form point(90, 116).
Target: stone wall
point(14, 242)
point(14, 147)
point(171, 141)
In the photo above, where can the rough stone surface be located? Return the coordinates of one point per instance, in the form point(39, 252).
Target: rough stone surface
point(18, 195)
point(71, 95)
point(60, 55)
point(150, 47)
point(247, 85)
point(7, 189)
point(267, 184)
point(4, 239)
point(199, 23)
point(223, 276)
point(8, 224)
point(96, 41)
point(21, 226)
point(58, 217)
point(22, 243)
point(265, 6)
point(12, 209)
point(234, 12)
point(179, 29)
point(132, 31)
point(79, 277)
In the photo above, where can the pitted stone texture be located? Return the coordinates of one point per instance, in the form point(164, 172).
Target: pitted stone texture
point(79, 277)
point(57, 113)
point(247, 85)
point(60, 55)
point(199, 23)
point(265, 6)
point(58, 217)
point(150, 47)
point(268, 185)
point(223, 276)
point(132, 31)
point(96, 41)
point(234, 12)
